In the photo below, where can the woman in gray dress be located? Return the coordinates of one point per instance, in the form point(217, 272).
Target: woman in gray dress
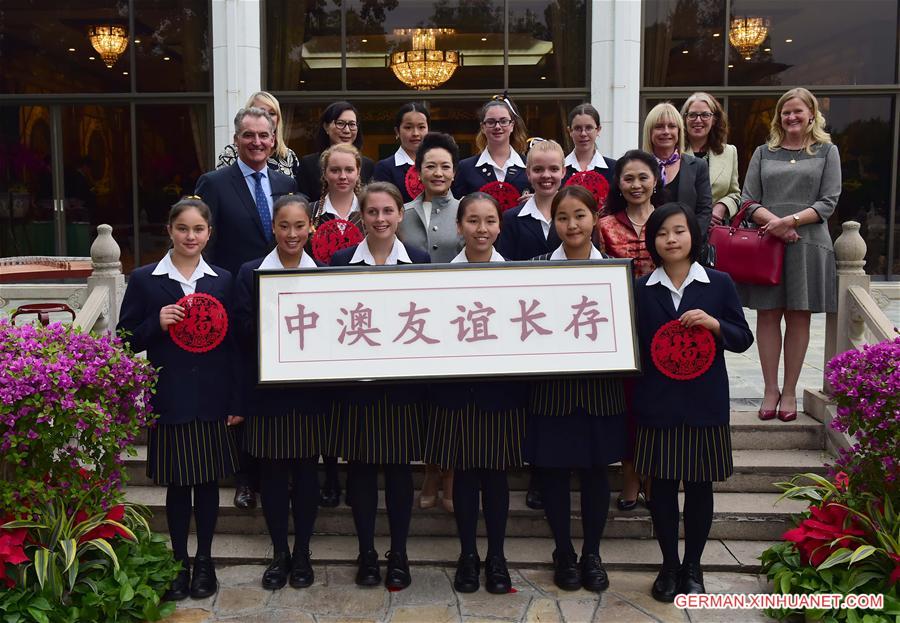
point(793, 183)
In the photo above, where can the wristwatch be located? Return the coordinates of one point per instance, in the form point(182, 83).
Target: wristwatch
point(796, 220)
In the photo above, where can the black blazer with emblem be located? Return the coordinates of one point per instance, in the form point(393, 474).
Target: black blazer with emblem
point(238, 234)
point(470, 178)
point(663, 402)
point(191, 386)
point(387, 171)
point(522, 238)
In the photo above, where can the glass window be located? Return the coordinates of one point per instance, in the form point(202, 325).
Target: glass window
point(823, 42)
point(862, 128)
point(172, 45)
point(547, 43)
point(45, 49)
point(304, 45)
point(683, 42)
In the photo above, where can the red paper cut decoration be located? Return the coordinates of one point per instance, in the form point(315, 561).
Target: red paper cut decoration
point(682, 353)
point(414, 185)
point(332, 236)
point(204, 326)
point(594, 182)
point(506, 195)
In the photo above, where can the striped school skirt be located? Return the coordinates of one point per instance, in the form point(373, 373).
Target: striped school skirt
point(471, 438)
point(378, 433)
point(191, 453)
point(695, 454)
point(294, 435)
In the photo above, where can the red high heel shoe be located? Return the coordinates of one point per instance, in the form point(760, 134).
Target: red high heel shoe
point(770, 414)
point(787, 416)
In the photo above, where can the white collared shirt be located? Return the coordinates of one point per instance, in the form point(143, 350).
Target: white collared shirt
point(530, 209)
point(500, 171)
point(189, 285)
point(462, 259)
point(401, 158)
point(696, 273)
point(597, 162)
point(560, 253)
point(251, 183)
point(329, 209)
point(363, 254)
point(273, 262)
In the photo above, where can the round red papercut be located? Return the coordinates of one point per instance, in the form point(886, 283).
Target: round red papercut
point(682, 353)
point(413, 183)
point(332, 236)
point(204, 326)
point(506, 195)
point(594, 182)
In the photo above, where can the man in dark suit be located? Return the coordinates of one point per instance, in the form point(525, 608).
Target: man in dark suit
point(241, 196)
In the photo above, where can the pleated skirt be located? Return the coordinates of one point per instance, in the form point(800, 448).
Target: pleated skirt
point(694, 454)
point(294, 435)
point(579, 440)
point(471, 438)
point(378, 433)
point(190, 454)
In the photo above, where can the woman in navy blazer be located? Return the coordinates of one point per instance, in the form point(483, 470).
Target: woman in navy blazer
point(190, 447)
point(410, 126)
point(284, 433)
point(380, 426)
point(688, 439)
point(501, 138)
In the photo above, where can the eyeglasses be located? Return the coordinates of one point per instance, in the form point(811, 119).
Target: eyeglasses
point(340, 124)
point(493, 123)
point(586, 129)
point(693, 116)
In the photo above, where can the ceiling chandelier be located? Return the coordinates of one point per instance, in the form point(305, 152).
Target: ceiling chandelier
point(424, 67)
point(748, 33)
point(109, 41)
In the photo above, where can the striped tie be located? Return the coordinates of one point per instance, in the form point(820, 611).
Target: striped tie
point(262, 205)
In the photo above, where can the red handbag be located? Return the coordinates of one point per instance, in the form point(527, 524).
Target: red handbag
point(747, 254)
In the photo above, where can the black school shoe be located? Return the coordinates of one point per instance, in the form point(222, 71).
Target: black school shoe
point(496, 576)
point(566, 574)
point(397, 576)
point(329, 497)
point(368, 573)
point(276, 574)
point(690, 579)
point(534, 500)
point(468, 568)
point(302, 574)
point(203, 580)
point(665, 587)
point(181, 586)
point(593, 575)
point(244, 498)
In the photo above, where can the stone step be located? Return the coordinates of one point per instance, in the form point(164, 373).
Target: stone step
point(754, 470)
point(743, 516)
point(528, 553)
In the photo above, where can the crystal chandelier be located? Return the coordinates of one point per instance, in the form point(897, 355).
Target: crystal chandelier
point(748, 33)
point(109, 41)
point(424, 67)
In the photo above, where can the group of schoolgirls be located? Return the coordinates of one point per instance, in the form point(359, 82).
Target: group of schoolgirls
point(479, 428)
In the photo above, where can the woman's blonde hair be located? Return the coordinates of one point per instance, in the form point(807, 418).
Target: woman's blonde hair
point(815, 132)
point(281, 149)
point(519, 137)
point(657, 114)
point(718, 133)
point(545, 147)
point(340, 148)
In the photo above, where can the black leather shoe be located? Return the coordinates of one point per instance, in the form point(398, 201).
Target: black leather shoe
point(397, 576)
point(690, 579)
point(566, 574)
point(665, 587)
point(181, 586)
point(276, 574)
point(244, 498)
point(329, 497)
point(496, 576)
point(534, 500)
point(593, 575)
point(203, 580)
point(626, 505)
point(368, 573)
point(468, 568)
point(302, 574)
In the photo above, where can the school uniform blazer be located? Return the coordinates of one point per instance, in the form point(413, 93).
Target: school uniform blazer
point(440, 237)
point(238, 235)
point(387, 171)
point(191, 386)
point(607, 173)
point(268, 401)
point(523, 238)
point(309, 175)
point(470, 178)
point(662, 402)
point(723, 178)
point(694, 190)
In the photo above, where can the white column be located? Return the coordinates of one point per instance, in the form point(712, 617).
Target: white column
point(236, 61)
point(616, 72)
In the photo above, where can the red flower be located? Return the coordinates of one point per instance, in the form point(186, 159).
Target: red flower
point(117, 513)
point(841, 480)
point(11, 551)
point(413, 183)
point(814, 536)
point(332, 236)
point(506, 195)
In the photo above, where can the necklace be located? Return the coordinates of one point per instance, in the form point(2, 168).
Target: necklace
point(792, 160)
point(638, 227)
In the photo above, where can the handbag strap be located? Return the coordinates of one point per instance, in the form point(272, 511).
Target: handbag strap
point(739, 217)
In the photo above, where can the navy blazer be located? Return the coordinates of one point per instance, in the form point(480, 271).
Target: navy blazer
point(694, 190)
point(309, 175)
point(607, 173)
point(523, 238)
point(662, 402)
point(387, 171)
point(238, 234)
point(191, 386)
point(470, 178)
point(255, 400)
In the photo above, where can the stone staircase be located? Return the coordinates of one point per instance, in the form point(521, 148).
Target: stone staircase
point(746, 518)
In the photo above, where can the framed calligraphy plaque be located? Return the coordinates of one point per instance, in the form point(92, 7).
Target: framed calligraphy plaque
point(446, 321)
